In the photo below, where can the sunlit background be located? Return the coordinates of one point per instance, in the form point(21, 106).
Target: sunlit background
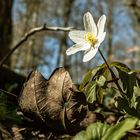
point(45, 51)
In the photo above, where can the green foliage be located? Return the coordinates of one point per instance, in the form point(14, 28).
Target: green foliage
point(94, 83)
point(10, 87)
point(92, 74)
point(100, 131)
point(101, 81)
point(7, 111)
point(127, 77)
point(90, 94)
point(97, 87)
point(3, 112)
point(130, 83)
point(3, 106)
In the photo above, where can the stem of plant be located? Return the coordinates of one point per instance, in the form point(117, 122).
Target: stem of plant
point(112, 74)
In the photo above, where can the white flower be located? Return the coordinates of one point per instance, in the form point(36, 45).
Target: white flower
point(88, 40)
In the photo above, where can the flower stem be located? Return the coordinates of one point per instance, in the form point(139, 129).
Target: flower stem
point(112, 74)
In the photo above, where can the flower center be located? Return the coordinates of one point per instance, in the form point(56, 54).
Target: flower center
point(90, 38)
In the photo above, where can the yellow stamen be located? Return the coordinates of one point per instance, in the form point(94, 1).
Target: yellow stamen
point(90, 38)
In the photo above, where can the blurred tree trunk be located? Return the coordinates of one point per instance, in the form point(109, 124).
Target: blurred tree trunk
point(31, 55)
point(134, 5)
point(100, 7)
point(109, 27)
point(5, 27)
point(63, 44)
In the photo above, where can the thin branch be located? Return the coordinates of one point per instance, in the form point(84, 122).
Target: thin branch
point(30, 33)
point(111, 81)
point(8, 93)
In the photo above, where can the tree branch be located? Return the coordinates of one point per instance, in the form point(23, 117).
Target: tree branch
point(30, 33)
point(8, 93)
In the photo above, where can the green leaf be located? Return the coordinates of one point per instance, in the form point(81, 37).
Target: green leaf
point(129, 82)
point(128, 78)
point(120, 66)
point(100, 131)
point(124, 106)
point(94, 90)
point(93, 132)
point(97, 131)
point(85, 80)
point(81, 136)
point(116, 132)
point(91, 92)
point(134, 71)
point(138, 104)
point(137, 91)
point(101, 81)
point(92, 83)
point(96, 71)
point(138, 79)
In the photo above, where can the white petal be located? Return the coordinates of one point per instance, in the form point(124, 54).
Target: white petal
point(101, 37)
point(78, 47)
point(101, 24)
point(77, 36)
point(88, 55)
point(89, 23)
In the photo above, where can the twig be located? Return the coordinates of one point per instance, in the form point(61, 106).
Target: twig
point(8, 93)
point(30, 33)
point(111, 81)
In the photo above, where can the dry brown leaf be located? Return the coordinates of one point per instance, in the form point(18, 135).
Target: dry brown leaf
point(56, 102)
